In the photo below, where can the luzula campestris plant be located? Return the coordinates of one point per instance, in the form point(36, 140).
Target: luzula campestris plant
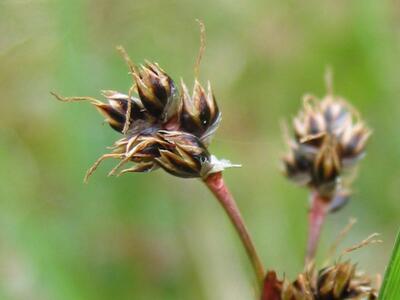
point(166, 127)
point(169, 129)
point(329, 138)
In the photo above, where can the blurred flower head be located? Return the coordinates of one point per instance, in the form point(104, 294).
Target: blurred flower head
point(340, 281)
point(329, 138)
point(161, 126)
point(337, 282)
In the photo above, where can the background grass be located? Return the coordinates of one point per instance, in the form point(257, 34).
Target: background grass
point(155, 236)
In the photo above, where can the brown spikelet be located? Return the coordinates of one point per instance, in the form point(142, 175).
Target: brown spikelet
point(199, 113)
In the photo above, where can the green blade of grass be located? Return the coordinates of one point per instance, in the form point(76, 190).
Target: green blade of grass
point(391, 283)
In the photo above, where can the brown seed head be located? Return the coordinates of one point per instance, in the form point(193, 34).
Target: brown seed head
point(328, 139)
point(164, 129)
point(338, 282)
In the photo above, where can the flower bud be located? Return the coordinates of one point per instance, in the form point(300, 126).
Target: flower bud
point(157, 91)
point(199, 114)
point(115, 110)
point(184, 156)
point(113, 117)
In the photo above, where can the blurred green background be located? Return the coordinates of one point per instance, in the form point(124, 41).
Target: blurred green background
point(153, 236)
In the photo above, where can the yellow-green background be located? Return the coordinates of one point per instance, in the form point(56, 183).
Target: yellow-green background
point(153, 236)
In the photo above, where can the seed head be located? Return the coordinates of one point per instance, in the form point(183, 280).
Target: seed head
point(160, 127)
point(338, 282)
point(329, 138)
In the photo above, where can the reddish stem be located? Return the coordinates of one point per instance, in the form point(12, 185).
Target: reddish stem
point(272, 288)
point(316, 218)
point(217, 186)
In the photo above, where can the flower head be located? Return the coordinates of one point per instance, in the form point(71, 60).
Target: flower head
point(340, 281)
point(337, 282)
point(329, 138)
point(161, 127)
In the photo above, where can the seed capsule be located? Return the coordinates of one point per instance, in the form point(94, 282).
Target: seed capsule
point(199, 114)
point(157, 91)
point(184, 156)
point(115, 110)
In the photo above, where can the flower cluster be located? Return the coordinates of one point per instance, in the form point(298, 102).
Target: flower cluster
point(162, 127)
point(336, 282)
point(165, 126)
point(340, 281)
point(329, 138)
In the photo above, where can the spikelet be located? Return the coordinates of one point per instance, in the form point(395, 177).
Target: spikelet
point(199, 113)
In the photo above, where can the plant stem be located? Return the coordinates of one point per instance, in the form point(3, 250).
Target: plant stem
point(217, 186)
point(272, 288)
point(316, 218)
